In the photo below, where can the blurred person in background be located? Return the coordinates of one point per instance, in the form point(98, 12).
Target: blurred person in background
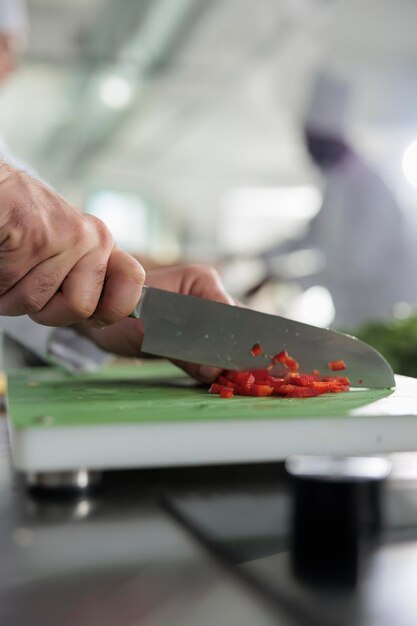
point(61, 267)
point(359, 230)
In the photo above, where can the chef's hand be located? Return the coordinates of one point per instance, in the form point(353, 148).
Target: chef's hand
point(125, 337)
point(57, 264)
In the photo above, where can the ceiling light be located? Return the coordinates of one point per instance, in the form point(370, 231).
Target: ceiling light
point(115, 92)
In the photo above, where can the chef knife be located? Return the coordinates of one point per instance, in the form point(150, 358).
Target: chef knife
point(211, 333)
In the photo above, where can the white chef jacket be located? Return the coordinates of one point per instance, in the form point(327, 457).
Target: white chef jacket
point(369, 257)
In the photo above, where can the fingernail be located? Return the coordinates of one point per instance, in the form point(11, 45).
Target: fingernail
point(207, 374)
point(96, 323)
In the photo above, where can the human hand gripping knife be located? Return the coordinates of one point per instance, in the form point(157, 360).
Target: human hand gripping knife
point(211, 333)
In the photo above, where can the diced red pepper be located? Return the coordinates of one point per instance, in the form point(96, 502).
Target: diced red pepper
point(293, 391)
point(226, 392)
point(305, 380)
point(244, 378)
point(340, 380)
point(215, 388)
point(276, 383)
point(225, 382)
point(284, 358)
point(335, 366)
point(261, 390)
point(260, 383)
point(292, 377)
point(256, 350)
point(244, 391)
point(324, 387)
point(260, 375)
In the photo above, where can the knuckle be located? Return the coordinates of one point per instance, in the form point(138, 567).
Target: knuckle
point(8, 278)
point(100, 274)
point(111, 313)
point(81, 232)
point(206, 271)
point(81, 307)
point(32, 302)
point(46, 283)
point(12, 231)
point(102, 233)
point(139, 274)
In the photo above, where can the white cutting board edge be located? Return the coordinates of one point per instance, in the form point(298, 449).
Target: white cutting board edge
point(390, 425)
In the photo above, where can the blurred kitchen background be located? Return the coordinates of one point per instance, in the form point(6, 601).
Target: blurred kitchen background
point(180, 124)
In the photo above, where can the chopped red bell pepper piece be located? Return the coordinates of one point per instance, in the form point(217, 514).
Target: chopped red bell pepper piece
point(340, 380)
point(260, 383)
point(256, 350)
point(284, 358)
point(225, 382)
point(293, 391)
point(215, 388)
point(292, 377)
point(305, 380)
point(226, 392)
point(337, 365)
point(324, 387)
point(276, 383)
point(260, 375)
point(261, 390)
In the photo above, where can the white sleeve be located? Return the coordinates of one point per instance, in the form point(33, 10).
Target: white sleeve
point(61, 346)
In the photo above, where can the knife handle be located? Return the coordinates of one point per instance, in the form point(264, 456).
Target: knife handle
point(136, 313)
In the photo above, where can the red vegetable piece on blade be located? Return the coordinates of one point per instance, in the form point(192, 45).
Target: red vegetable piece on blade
point(226, 392)
point(335, 366)
point(284, 358)
point(256, 350)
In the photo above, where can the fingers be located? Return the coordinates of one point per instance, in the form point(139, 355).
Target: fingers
point(194, 280)
point(203, 373)
point(32, 293)
point(105, 293)
point(205, 282)
point(78, 296)
point(123, 338)
point(122, 289)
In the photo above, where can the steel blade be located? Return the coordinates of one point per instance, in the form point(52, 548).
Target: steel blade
point(210, 333)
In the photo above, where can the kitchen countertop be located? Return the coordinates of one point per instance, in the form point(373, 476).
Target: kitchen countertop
point(186, 546)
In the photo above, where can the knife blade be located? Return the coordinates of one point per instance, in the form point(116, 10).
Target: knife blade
point(211, 333)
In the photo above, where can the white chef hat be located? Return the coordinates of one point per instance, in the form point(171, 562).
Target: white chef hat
point(328, 109)
point(13, 16)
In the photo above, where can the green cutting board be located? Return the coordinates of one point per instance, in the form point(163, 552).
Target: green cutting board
point(155, 392)
point(154, 415)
